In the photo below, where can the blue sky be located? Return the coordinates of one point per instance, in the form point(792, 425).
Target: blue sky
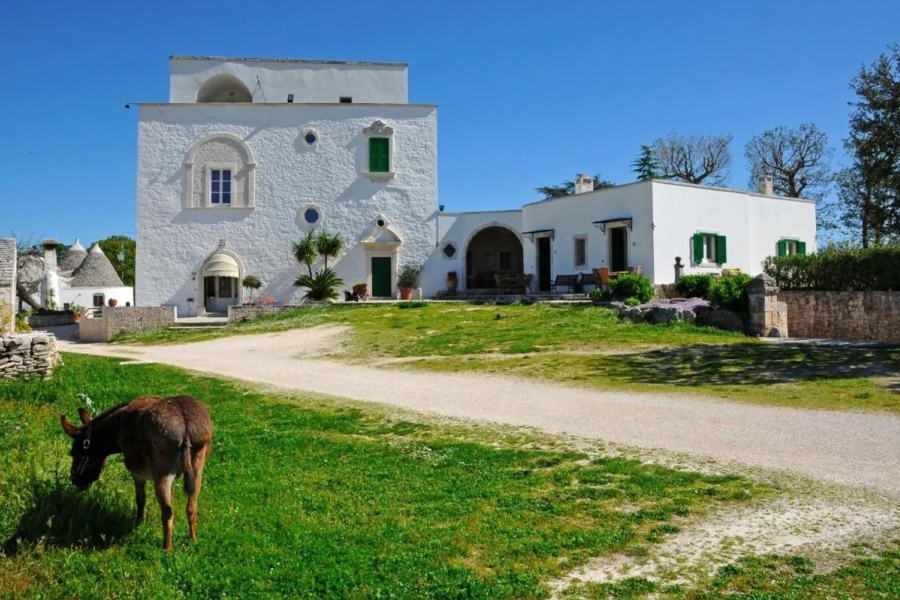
point(530, 92)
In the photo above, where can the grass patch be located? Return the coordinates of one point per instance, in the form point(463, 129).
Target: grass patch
point(590, 347)
point(766, 578)
point(304, 499)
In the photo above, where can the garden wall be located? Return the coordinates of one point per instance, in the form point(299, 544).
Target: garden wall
point(7, 285)
point(51, 320)
point(120, 319)
point(28, 354)
point(861, 316)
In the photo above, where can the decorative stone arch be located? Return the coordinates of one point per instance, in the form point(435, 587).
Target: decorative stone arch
point(209, 266)
point(220, 151)
point(224, 88)
point(473, 273)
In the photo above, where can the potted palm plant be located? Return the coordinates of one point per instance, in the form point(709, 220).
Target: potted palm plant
point(408, 280)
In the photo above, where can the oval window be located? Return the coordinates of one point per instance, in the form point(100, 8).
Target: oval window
point(311, 215)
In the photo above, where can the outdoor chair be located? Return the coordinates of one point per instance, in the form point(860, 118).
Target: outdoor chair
point(639, 270)
point(601, 276)
point(568, 281)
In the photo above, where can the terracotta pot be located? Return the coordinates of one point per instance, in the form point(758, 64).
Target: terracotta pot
point(406, 293)
point(77, 318)
point(113, 302)
point(452, 284)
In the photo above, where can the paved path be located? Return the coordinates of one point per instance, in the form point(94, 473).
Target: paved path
point(849, 448)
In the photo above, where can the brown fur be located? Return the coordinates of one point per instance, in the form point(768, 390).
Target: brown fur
point(160, 438)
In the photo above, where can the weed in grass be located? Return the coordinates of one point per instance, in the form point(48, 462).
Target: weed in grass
point(308, 500)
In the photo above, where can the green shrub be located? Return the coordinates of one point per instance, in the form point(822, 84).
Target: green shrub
point(730, 293)
point(838, 269)
point(320, 286)
point(598, 294)
point(694, 286)
point(630, 285)
point(632, 302)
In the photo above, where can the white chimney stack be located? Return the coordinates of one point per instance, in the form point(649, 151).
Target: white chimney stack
point(50, 255)
point(766, 185)
point(584, 184)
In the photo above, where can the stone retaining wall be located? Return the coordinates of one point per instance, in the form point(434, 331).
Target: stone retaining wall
point(27, 355)
point(860, 316)
point(244, 313)
point(38, 321)
point(121, 319)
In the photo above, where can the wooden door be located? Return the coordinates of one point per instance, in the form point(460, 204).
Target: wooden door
point(381, 276)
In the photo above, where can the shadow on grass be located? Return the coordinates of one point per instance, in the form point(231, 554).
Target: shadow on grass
point(749, 364)
point(59, 516)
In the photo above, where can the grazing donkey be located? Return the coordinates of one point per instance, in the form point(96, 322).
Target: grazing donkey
point(160, 438)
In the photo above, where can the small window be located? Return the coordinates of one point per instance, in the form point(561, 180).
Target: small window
point(311, 214)
point(346, 100)
point(379, 155)
point(505, 261)
point(449, 250)
point(709, 249)
point(220, 187)
point(310, 137)
point(580, 252)
point(791, 247)
point(98, 300)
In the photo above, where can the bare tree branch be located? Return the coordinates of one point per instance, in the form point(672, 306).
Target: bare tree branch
point(796, 159)
point(695, 159)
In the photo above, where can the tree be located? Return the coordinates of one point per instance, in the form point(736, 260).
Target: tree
point(645, 165)
point(306, 251)
point(796, 159)
point(694, 159)
point(251, 282)
point(112, 247)
point(567, 188)
point(870, 186)
point(328, 245)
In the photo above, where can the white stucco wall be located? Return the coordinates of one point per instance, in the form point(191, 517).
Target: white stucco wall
point(85, 296)
point(459, 228)
point(174, 241)
point(308, 81)
point(751, 223)
point(574, 216)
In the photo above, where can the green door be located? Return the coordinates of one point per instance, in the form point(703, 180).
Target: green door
point(381, 276)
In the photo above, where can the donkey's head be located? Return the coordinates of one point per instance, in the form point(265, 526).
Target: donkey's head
point(87, 462)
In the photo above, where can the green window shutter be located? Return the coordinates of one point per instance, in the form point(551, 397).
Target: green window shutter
point(721, 252)
point(379, 155)
point(782, 247)
point(801, 247)
point(698, 247)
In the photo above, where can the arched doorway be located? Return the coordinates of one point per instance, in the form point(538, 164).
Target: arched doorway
point(494, 259)
point(221, 283)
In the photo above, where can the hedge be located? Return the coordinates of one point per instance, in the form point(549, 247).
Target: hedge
point(838, 270)
point(694, 286)
point(730, 293)
point(631, 285)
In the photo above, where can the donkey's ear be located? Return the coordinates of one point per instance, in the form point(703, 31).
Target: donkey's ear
point(85, 416)
point(70, 429)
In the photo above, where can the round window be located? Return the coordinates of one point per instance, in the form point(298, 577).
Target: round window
point(310, 137)
point(311, 215)
point(380, 222)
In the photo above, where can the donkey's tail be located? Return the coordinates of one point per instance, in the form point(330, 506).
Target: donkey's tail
point(188, 468)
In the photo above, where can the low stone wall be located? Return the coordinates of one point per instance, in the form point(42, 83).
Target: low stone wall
point(121, 319)
point(7, 285)
point(860, 316)
point(38, 321)
point(28, 355)
point(245, 313)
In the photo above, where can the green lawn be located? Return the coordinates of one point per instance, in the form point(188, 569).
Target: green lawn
point(303, 498)
point(587, 346)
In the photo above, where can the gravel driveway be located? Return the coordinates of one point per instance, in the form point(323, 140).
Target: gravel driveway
point(850, 448)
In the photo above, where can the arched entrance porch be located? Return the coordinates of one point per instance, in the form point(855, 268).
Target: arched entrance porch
point(494, 259)
point(221, 276)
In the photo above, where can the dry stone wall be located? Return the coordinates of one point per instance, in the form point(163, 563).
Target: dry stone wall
point(860, 316)
point(28, 355)
point(121, 319)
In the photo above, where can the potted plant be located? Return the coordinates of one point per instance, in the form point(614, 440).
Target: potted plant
point(452, 282)
point(77, 310)
point(251, 282)
point(113, 302)
point(360, 291)
point(408, 280)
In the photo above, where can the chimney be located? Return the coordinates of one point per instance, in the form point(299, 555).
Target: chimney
point(766, 185)
point(584, 184)
point(50, 255)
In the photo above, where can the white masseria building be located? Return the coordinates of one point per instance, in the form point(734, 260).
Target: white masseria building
point(248, 154)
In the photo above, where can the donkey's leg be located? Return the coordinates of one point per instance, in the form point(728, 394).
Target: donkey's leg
point(163, 487)
point(140, 497)
point(197, 463)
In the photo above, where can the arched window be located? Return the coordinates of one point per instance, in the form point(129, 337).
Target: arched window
point(220, 173)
